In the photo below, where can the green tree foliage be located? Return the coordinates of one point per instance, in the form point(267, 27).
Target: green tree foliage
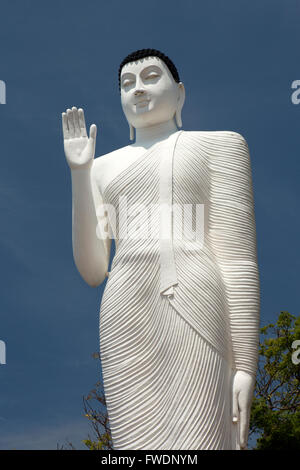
point(275, 413)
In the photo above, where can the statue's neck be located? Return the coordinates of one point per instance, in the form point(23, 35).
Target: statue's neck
point(148, 136)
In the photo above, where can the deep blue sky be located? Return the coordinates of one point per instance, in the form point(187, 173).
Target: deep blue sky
point(237, 59)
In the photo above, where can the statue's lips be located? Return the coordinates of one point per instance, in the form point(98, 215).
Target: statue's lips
point(142, 102)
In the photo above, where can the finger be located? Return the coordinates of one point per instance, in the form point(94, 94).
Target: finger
point(93, 131)
point(76, 122)
point(235, 408)
point(92, 138)
point(65, 126)
point(243, 428)
point(71, 123)
point(82, 122)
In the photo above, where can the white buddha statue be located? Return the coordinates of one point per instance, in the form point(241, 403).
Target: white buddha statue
point(179, 316)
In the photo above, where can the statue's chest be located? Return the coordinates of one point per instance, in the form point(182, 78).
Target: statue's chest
point(138, 193)
point(186, 174)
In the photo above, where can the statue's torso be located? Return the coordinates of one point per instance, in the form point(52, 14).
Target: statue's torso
point(194, 183)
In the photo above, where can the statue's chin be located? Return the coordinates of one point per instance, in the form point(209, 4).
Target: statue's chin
point(143, 110)
point(148, 118)
point(149, 113)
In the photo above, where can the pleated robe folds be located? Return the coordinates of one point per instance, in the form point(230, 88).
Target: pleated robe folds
point(179, 317)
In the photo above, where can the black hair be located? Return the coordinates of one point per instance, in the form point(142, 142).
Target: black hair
point(141, 54)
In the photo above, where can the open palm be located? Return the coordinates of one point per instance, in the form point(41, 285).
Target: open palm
point(79, 148)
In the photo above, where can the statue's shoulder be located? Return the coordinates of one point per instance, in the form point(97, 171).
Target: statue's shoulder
point(215, 136)
point(107, 159)
point(214, 145)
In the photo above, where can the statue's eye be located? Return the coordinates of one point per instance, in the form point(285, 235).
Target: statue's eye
point(151, 76)
point(127, 83)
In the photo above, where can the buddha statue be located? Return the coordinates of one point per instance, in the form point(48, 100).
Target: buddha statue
point(179, 315)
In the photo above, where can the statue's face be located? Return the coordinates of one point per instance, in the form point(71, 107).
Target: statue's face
point(149, 93)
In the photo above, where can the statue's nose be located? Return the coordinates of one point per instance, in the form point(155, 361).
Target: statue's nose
point(139, 92)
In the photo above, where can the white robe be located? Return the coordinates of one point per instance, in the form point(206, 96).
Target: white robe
point(177, 319)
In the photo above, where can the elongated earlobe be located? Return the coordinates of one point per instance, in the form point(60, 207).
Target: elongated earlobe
point(178, 118)
point(131, 132)
point(181, 98)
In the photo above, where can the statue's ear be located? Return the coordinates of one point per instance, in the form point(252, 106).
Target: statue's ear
point(131, 132)
point(181, 98)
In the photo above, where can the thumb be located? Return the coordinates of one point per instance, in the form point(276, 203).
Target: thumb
point(93, 132)
point(92, 138)
point(235, 407)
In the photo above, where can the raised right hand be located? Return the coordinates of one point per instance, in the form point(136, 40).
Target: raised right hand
point(79, 148)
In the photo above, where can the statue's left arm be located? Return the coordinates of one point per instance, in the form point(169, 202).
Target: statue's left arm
point(233, 236)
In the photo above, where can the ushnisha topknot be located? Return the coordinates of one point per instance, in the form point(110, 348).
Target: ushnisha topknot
point(141, 54)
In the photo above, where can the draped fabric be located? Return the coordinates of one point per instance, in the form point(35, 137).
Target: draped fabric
point(169, 350)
